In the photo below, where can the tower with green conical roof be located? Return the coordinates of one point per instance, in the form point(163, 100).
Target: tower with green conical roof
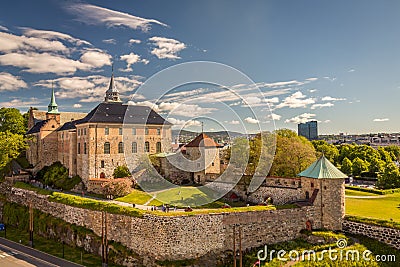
point(52, 108)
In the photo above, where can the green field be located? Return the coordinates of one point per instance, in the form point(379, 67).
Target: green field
point(136, 197)
point(387, 207)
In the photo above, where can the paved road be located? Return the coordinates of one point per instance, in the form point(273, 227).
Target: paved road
point(14, 254)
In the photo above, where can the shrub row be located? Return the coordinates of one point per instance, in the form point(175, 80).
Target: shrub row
point(374, 191)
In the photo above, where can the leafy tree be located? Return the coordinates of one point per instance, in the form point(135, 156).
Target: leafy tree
point(10, 147)
point(394, 152)
point(121, 172)
point(119, 188)
point(347, 166)
point(12, 120)
point(293, 154)
point(385, 155)
point(55, 172)
point(359, 166)
point(376, 165)
point(390, 177)
point(330, 151)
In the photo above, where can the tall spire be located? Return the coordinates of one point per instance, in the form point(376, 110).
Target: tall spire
point(52, 107)
point(112, 94)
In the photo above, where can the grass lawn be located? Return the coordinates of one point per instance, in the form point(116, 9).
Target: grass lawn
point(350, 192)
point(136, 196)
point(385, 208)
point(54, 248)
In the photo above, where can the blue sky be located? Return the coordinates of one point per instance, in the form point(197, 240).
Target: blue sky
point(336, 62)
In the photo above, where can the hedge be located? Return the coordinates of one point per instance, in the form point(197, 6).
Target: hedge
point(374, 191)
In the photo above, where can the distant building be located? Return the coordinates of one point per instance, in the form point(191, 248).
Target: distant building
point(309, 130)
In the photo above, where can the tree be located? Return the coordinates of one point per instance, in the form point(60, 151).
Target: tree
point(376, 165)
point(121, 172)
point(330, 151)
point(293, 154)
point(54, 173)
point(347, 166)
point(119, 188)
point(12, 120)
point(359, 166)
point(390, 177)
point(394, 151)
point(11, 146)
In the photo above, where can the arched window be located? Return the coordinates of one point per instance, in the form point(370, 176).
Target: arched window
point(146, 146)
point(158, 147)
point(134, 147)
point(120, 147)
point(107, 148)
point(84, 148)
point(102, 175)
point(79, 148)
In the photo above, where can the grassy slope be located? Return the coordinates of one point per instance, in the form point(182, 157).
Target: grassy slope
point(350, 192)
point(385, 208)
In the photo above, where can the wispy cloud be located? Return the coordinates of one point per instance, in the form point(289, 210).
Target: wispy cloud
point(232, 122)
point(109, 41)
point(9, 82)
point(301, 118)
point(3, 28)
point(166, 47)
point(53, 35)
point(177, 123)
point(176, 108)
point(274, 116)
point(381, 120)
point(77, 105)
point(20, 103)
point(329, 98)
point(96, 15)
point(134, 41)
point(324, 105)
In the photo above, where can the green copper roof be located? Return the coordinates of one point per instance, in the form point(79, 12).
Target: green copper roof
point(322, 168)
point(52, 107)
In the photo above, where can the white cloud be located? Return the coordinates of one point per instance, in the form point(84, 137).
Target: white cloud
point(42, 52)
point(90, 88)
point(95, 15)
point(352, 70)
point(3, 28)
point(329, 98)
point(43, 63)
point(327, 121)
point(77, 105)
point(134, 41)
point(331, 79)
point(324, 105)
point(302, 118)
point(166, 47)
point(177, 123)
point(313, 90)
point(53, 35)
point(19, 103)
point(131, 59)
point(251, 120)
point(312, 79)
point(381, 120)
point(274, 116)
point(273, 100)
point(176, 108)
point(9, 82)
point(296, 100)
point(96, 58)
point(109, 41)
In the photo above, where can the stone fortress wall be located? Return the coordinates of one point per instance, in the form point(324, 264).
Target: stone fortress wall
point(182, 237)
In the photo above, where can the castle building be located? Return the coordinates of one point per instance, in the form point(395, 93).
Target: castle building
point(92, 145)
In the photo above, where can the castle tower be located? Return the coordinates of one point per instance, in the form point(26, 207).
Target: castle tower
point(323, 186)
point(52, 109)
point(112, 94)
point(204, 151)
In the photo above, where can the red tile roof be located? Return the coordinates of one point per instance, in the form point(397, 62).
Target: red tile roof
point(202, 140)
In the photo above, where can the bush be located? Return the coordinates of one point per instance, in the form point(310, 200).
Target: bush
point(57, 175)
point(121, 172)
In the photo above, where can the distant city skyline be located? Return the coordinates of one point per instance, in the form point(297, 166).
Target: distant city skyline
point(335, 62)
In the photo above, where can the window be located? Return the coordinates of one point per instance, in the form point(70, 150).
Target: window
point(146, 131)
point(84, 148)
point(120, 147)
point(106, 131)
point(212, 164)
point(84, 131)
point(134, 147)
point(133, 131)
point(79, 148)
point(102, 164)
point(120, 131)
point(79, 132)
point(312, 184)
point(158, 147)
point(158, 131)
point(107, 148)
point(146, 147)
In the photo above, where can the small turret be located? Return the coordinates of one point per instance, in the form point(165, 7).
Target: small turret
point(52, 108)
point(112, 94)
